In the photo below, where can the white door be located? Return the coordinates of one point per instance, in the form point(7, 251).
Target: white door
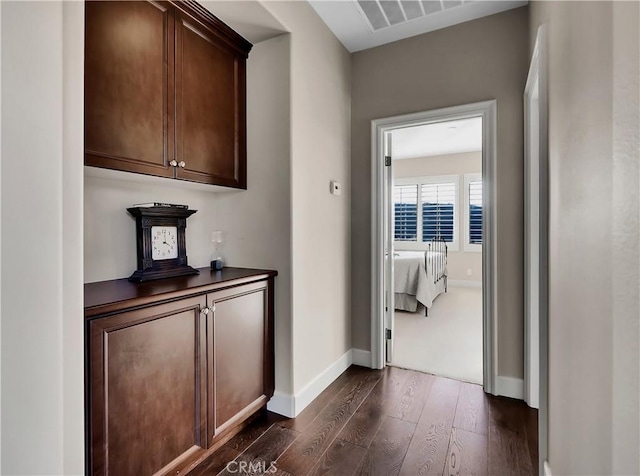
point(388, 246)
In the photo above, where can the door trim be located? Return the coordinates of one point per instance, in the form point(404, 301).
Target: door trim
point(486, 110)
point(538, 77)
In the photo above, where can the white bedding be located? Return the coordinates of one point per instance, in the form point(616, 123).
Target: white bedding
point(413, 281)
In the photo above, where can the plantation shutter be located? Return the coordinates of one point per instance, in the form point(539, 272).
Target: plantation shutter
point(438, 204)
point(475, 213)
point(405, 199)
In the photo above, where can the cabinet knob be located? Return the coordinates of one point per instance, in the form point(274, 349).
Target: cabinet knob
point(173, 163)
point(205, 311)
point(181, 164)
point(212, 308)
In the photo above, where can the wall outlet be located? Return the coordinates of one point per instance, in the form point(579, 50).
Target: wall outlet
point(469, 272)
point(335, 188)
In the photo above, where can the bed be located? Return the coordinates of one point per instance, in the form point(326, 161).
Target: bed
point(420, 276)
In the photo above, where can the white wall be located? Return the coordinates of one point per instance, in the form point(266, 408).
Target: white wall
point(594, 238)
point(40, 302)
point(458, 262)
point(257, 222)
point(320, 148)
point(109, 230)
point(466, 63)
point(72, 238)
point(0, 237)
point(625, 441)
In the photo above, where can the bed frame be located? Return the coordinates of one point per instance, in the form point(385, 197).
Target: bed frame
point(438, 264)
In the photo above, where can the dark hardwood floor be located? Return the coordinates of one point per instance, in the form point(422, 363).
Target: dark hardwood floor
point(388, 422)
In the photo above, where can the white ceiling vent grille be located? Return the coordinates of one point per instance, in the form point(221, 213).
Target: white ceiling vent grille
point(385, 13)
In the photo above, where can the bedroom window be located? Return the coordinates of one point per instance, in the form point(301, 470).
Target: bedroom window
point(473, 212)
point(425, 208)
point(405, 201)
point(438, 205)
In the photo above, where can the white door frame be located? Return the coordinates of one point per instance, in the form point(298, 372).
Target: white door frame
point(486, 110)
point(536, 327)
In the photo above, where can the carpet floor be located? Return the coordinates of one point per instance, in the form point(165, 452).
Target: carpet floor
point(448, 342)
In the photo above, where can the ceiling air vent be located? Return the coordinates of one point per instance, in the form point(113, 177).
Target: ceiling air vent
point(385, 13)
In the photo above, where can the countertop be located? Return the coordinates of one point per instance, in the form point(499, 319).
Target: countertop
point(117, 294)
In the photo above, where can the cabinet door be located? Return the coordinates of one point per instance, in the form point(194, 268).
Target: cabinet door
point(129, 88)
point(241, 364)
point(147, 389)
point(210, 106)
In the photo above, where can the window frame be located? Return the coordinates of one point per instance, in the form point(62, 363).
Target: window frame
point(420, 245)
point(468, 178)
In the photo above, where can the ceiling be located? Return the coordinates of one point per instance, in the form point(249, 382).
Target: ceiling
point(363, 24)
point(442, 138)
point(247, 17)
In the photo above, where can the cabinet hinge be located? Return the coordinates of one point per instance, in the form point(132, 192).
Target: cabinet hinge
point(387, 160)
point(388, 332)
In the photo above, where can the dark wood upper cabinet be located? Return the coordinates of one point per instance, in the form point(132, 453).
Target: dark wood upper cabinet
point(165, 92)
point(210, 106)
point(129, 91)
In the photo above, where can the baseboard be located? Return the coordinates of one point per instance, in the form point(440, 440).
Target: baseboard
point(314, 388)
point(510, 387)
point(547, 469)
point(361, 357)
point(464, 284)
point(291, 405)
point(282, 404)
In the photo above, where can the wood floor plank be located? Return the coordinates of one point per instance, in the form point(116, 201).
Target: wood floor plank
point(236, 445)
point(280, 472)
point(414, 395)
point(303, 454)
point(532, 438)
point(364, 424)
point(216, 462)
point(348, 378)
point(467, 454)
point(508, 453)
point(472, 413)
point(341, 458)
point(508, 413)
point(427, 452)
point(263, 452)
point(508, 446)
point(261, 424)
point(357, 406)
point(388, 449)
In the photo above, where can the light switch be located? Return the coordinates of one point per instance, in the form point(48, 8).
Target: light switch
point(335, 188)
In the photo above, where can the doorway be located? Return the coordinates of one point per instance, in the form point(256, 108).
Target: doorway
point(384, 134)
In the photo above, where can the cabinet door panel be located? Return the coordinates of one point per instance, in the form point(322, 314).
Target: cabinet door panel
point(210, 106)
point(240, 332)
point(148, 388)
point(129, 57)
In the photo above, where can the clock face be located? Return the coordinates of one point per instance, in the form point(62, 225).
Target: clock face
point(164, 242)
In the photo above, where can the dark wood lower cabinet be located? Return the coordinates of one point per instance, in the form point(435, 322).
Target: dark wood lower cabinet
point(172, 375)
point(238, 359)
